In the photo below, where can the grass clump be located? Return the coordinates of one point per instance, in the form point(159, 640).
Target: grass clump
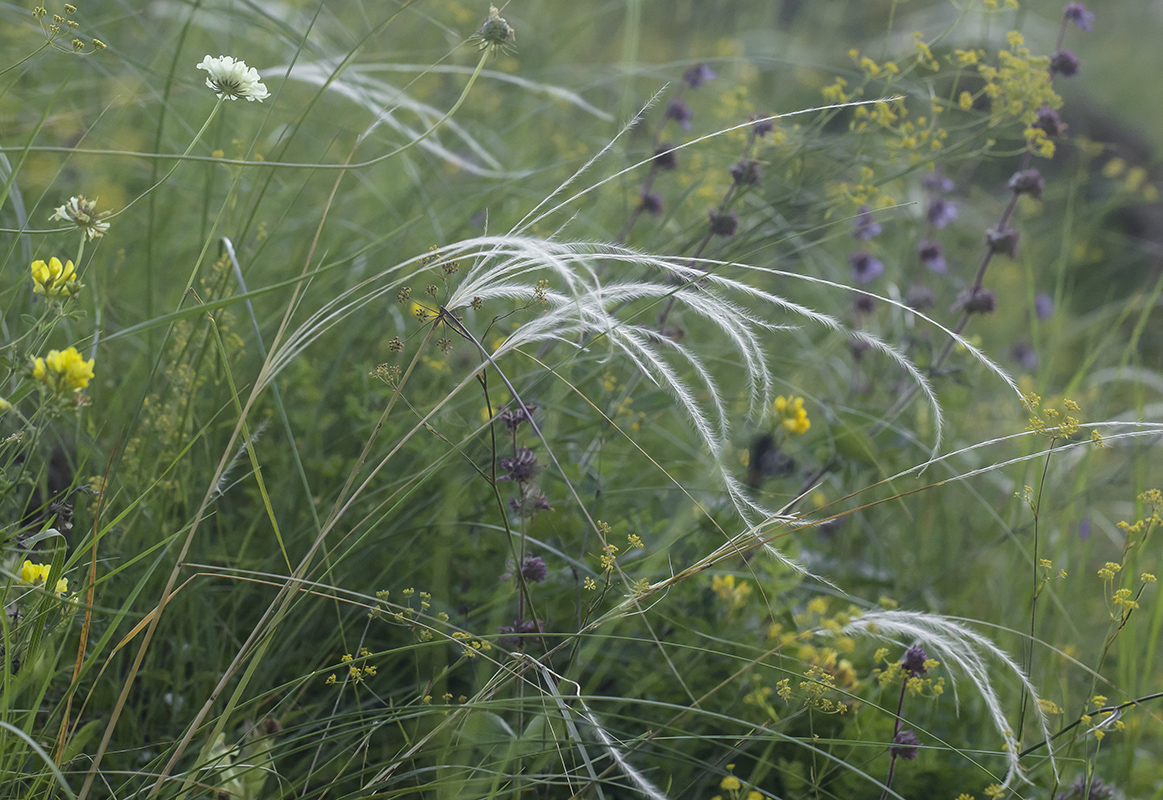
point(487, 410)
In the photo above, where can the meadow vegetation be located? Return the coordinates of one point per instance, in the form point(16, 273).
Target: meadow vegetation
point(725, 400)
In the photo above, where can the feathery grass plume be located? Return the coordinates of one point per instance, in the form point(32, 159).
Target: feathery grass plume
point(552, 680)
point(510, 267)
point(953, 643)
point(384, 101)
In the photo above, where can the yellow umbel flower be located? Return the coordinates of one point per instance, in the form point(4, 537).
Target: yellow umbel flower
point(63, 371)
point(54, 280)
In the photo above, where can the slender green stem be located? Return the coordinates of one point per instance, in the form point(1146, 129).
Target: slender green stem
point(177, 163)
point(26, 58)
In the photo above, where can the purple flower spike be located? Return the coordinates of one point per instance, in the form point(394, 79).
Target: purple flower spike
point(1043, 305)
point(699, 74)
point(920, 297)
point(1026, 356)
point(1027, 181)
point(1050, 122)
point(680, 112)
point(665, 157)
point(1080, 16)
point(651, 203)
point(942, 212)
point(914, 661)
point(747, 172)
point(522, 627)
point(534, 569)
point(932, 255)
point(723, 224)
point(865, 268)
point(761, 126)
point(1065, 63)
point(937, 183)
point(904, 745)
point(976, 301)
point(865, 227)
point(1002, 242)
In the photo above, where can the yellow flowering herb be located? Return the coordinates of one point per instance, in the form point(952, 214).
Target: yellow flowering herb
point(795, 417)
point(54, 280)
point(63, 371)
point(37, 574)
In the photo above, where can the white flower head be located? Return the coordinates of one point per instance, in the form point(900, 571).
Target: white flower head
point(84, 214)
point(232, 79)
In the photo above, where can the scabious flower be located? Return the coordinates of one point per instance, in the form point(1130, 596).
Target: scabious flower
point(63, 371)
point(865, 268)
point(495, 33)
point(37, 574)
point(83, 214)
point(795, 416)
point(865, 227)
point(54, 280)
point(699, 74)
point(680, 112)
point(932, 255)
point(1080, 16)
point(231, 79)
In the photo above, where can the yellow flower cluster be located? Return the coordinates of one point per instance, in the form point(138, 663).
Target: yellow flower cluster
point(734, 595)
point(915, 684)
point(1018, 87)
point(54, 280)
point(734, 787)
point(37, 575)
point(1049, 421)
point(63, 371)
point(816, 688)
point(795, 418)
